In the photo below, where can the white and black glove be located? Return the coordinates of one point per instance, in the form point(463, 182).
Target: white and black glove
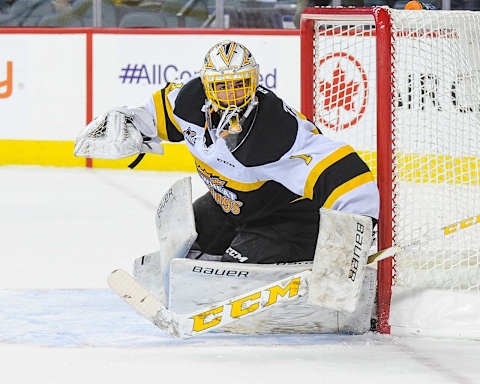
point(119, 133)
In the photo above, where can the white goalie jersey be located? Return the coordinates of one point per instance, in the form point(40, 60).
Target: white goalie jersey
point(280, 161)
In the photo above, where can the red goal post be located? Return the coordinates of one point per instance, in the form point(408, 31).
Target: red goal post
point(402, 87)
point(384, 168)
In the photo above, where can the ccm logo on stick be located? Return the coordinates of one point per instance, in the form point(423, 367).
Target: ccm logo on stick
point(461, 225)
point(245, 305)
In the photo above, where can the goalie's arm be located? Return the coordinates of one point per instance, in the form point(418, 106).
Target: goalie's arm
point(161, 106)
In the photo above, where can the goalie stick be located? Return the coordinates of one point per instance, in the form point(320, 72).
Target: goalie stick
point(213, 316)
point(426, 237)
point(254, 301)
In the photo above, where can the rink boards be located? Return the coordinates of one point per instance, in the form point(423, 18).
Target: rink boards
point(46, 100)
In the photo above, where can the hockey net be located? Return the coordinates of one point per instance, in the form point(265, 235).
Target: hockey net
point(403, 88)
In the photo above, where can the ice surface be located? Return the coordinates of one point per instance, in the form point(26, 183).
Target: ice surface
point(63, 230)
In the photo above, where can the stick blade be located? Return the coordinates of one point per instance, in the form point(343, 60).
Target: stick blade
point(134, 294)
point(145, 303)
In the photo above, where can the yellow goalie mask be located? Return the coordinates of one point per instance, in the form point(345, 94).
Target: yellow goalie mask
point(229, 75)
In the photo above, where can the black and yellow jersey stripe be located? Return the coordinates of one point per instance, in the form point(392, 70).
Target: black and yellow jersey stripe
point(335, 175)
point(167, 127)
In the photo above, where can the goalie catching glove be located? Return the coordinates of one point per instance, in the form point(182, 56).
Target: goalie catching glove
point(119, 133)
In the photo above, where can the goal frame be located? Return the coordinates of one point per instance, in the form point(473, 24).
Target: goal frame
point(385, 121)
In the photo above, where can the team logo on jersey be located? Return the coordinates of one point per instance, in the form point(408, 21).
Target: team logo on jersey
point(342, 91)
point(190, 136)
point(222, 196)
point(307, 158)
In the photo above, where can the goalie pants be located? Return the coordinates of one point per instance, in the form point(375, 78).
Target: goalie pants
point(275, 240)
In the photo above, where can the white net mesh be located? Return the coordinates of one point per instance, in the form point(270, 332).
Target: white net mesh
point(436, 145)
point(437, 68)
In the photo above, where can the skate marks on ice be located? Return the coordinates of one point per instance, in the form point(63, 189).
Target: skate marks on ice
point(95, 317)
point(442, 362)
point(69, 318)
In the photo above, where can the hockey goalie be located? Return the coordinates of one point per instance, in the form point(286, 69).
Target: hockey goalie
point(280, 241)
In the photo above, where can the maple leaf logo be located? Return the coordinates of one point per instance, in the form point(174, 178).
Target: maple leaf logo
point(339, 93)
point(341, 101)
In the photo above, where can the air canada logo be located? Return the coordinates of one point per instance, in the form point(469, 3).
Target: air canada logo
point(342, 91)
point(6, 85)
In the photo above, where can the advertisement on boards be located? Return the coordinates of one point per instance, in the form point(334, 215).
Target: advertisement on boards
point(129, 68)
point(7, 83)
point(42, 86)
point(345, 85)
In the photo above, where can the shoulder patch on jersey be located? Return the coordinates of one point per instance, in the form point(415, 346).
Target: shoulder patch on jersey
point(306, 158)
point(273, 133)
point(189, 102)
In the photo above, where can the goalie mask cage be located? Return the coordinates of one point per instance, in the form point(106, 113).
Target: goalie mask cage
point(403, 88)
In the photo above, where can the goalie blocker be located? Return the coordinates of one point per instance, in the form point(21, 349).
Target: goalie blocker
point(343, 244)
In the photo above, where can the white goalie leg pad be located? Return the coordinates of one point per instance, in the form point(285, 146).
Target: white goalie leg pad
point(340, 260)
point(214, 282)
point(148, 271)
point(176, 233)
point(175, 221)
